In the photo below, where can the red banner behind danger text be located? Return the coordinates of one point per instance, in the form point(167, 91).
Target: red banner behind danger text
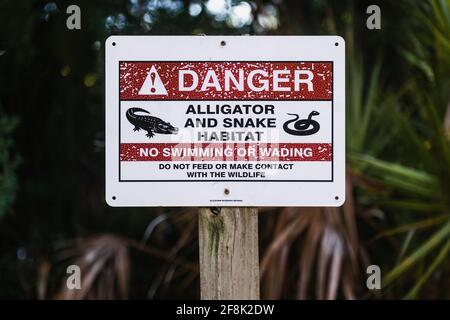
point(226, 80)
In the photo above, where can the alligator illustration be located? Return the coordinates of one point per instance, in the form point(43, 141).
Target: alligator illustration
point(149, 123)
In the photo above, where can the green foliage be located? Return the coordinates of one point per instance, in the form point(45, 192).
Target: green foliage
point(412, 172)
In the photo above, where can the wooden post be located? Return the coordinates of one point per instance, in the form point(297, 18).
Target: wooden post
point(229, 266)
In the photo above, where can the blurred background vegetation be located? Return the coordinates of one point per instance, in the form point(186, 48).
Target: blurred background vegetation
point(52, 208)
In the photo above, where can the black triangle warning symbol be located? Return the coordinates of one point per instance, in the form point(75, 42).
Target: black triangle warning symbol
point(153, 84)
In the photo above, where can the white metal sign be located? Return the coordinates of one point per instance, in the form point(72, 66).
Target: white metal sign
point(225, 121)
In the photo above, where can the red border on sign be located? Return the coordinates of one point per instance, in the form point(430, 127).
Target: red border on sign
point(231, 180)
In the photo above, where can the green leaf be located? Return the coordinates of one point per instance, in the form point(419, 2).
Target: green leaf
point(418, 254)
point(443, 253)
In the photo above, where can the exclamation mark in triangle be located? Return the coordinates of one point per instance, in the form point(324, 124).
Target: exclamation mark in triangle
point(153, 84)
point(152, 81)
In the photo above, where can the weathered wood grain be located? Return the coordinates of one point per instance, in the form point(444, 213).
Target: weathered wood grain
point(229, 264)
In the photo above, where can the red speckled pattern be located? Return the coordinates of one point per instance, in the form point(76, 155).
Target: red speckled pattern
point(133, 75)
point(226, 152)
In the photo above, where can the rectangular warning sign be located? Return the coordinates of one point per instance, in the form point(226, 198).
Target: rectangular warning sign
point(237, 127)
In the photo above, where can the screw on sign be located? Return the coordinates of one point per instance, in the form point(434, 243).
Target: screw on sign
point(192, 122)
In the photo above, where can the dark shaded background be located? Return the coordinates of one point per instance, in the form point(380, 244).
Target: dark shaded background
point(52, 208)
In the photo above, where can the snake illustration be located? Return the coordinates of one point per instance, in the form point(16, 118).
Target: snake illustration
point(301, 126)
